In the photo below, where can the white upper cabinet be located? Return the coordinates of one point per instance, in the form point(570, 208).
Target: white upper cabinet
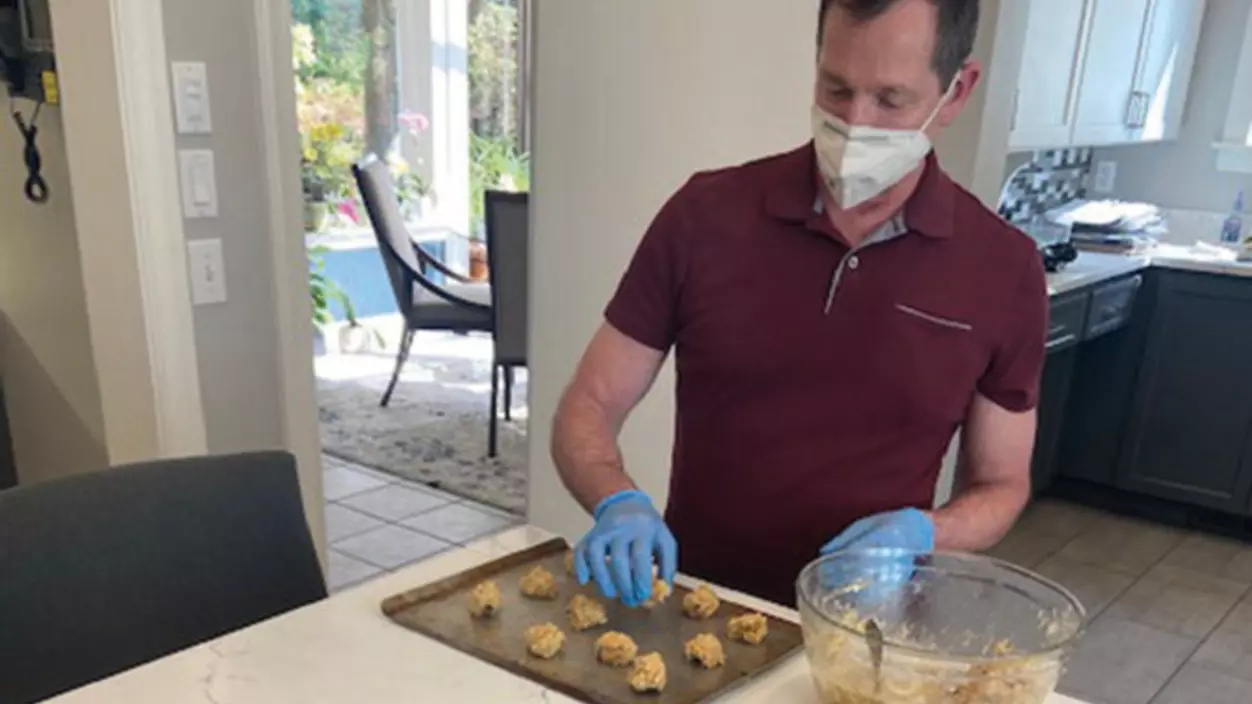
point(1108, 75)
point(1104, 72)
point(1043, 112)
point(1165, 68)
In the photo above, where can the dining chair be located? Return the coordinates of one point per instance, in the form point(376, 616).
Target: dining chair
point(105, 571)
point(508, 259)
point(460, 306)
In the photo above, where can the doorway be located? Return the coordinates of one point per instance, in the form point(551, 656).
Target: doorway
point(436, 90)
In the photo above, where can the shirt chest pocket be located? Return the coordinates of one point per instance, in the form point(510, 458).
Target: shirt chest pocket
point(928, 360)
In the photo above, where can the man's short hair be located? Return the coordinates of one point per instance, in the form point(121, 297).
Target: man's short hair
point(958, 27)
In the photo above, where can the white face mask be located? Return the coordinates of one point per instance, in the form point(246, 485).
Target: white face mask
point(859, 163)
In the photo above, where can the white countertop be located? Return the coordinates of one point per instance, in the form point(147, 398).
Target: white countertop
point(344, 650)
point(1094, 267)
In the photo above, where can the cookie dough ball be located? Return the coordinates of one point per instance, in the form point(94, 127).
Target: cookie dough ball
point(701, 604)
point(585, 613)
point(540, 584)
point(545, 640)
point(649, 674)
point(616, 649)
point(707, 650)
point(569, 562)
point(484, 600)
point(660, 592)
point(748, 628)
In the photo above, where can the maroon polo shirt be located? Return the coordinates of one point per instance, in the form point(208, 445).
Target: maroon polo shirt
point(817, 384)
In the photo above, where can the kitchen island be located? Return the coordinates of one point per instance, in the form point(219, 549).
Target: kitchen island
point(344, 650)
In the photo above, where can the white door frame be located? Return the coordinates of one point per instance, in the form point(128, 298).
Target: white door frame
point(118, 119)
point(293, 309)
point(119, 116)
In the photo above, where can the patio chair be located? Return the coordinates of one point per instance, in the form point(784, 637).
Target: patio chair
point(105, 571)
point(508, 258)
point(461, 306)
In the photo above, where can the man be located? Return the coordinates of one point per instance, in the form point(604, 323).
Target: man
point(837, 312)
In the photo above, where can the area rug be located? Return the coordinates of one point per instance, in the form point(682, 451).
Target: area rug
point(434, 432)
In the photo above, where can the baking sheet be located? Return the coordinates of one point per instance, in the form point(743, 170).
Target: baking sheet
point(439, 611)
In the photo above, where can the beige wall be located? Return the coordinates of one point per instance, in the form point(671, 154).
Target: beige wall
point(254, 395)
point(46, 360)
point(238, 340)
point(630, 99)
point(1151, 172)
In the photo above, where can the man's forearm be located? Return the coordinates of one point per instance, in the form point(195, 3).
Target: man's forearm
point(584, 448)
point(979, 516)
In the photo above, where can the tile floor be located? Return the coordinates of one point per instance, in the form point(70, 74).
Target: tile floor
point(1170, 610)
point(377, 523)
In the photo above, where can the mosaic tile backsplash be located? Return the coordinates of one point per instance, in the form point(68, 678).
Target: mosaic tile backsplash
point(1050, 178)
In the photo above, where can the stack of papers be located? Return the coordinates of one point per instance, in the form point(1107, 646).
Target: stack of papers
point(1108, 216)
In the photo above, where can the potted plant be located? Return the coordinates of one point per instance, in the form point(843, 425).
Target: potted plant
point(353, 336)
point(326, 170)
point(412, 191)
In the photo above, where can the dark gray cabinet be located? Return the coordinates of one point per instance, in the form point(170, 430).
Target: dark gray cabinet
point(8, 469)
point(1066, 320)
point(1189, 436)
point(1054, 392)
point(1101, 393)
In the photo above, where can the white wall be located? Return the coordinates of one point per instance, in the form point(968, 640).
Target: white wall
point(249, 378)
point(46, 363)
point(630, 99)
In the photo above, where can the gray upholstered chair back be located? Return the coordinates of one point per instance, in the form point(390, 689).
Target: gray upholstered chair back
point(105, 571)
point(379, 195)
point(508, 253)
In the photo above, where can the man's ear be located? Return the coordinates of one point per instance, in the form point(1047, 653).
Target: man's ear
point(966, 81)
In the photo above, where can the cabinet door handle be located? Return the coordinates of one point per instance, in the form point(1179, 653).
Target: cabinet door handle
point(1140, 103)
point(1017, 96)
point(1132, 108)
point(1062, 340)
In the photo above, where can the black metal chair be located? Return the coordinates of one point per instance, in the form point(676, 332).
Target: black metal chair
point(462, 306)
point(508, 258)
point(102, 572)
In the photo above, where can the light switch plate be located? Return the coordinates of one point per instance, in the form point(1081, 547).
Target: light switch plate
point(192, 109)
point(208, 272)
point(199, 183)
point(1105, 177)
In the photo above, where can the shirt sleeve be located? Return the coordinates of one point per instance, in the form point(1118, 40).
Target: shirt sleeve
point(646, 304)
point(1012, 378)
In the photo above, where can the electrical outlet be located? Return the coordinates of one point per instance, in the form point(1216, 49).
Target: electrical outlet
point(1105, 177)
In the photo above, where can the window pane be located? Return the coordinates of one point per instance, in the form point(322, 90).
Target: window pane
point(498, 104)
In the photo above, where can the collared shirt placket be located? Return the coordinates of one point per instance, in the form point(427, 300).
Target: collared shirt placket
point(889, 230)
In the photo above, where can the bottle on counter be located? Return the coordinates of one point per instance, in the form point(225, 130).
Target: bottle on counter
point(1232, 229)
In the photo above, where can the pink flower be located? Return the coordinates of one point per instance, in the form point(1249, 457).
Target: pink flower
point(414, 122)
point(348, 209)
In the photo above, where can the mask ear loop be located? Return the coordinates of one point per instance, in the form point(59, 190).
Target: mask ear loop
point(947, 95)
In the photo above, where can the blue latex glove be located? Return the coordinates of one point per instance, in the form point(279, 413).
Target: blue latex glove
point(908, 530)
point(630, 534)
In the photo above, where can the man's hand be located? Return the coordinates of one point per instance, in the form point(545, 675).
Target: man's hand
point(620, 550)
point(908, 529)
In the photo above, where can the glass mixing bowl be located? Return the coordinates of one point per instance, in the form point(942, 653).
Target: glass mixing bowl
point(955, 628)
